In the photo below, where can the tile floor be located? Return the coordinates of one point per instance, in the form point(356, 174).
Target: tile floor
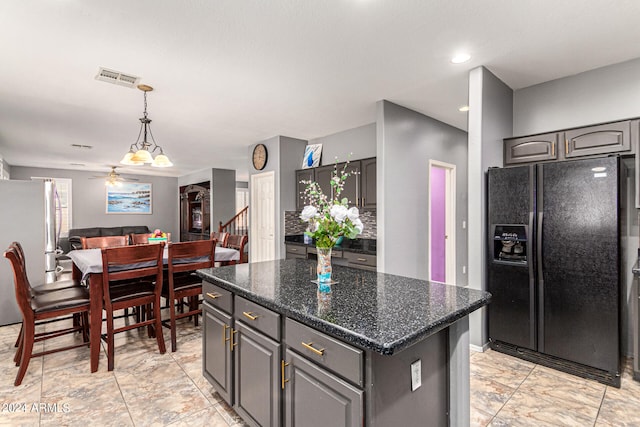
point(147, 389)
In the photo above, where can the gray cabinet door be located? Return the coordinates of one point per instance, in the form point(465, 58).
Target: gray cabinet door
point(296, 251)
point(217, 361)
point(316, 398)
point(302, 175)
point(368, 183)
point(257, 377)
point(528, 149)
point(352, 187)
point(323, 178)
point(601, 139)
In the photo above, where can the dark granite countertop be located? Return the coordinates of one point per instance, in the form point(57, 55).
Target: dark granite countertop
point(381, 312)
point(362, 246)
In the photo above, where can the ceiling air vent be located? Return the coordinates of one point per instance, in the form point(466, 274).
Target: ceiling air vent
point(116, 77)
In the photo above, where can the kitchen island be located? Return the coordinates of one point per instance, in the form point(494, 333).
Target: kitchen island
point(378, 350)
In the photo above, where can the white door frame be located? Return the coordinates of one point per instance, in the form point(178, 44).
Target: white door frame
point(450, 219)
point(254, 247)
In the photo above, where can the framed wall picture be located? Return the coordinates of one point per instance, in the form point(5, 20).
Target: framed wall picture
point(312, 154)
point(129, 198)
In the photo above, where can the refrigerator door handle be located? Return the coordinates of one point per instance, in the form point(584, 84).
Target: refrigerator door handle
point(540, 282)
point(532, 284)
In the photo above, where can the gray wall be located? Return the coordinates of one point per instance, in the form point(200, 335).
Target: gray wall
point(89, 199)
point(284, 158)
point(606, 94)
point(358, 142)
point(406, 141)
point(223, 196)
point(490, 120)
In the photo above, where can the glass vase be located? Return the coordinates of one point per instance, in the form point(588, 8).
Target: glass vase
point(324, 269)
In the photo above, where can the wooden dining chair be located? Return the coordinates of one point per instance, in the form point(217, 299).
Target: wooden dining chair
point(42, 307)
point(40, 289)
point(139, 239)
point(221, 237)
point(237, 242)
point(132, 277)
point(184, 259)
point(104, 242)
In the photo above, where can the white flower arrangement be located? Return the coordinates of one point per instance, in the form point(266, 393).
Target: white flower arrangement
point(329, 219)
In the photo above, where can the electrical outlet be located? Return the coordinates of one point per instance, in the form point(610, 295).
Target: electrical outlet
point(416, 375)
point(464, 224)
point(464, 269)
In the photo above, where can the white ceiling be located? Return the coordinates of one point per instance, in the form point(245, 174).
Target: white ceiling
point(230, 73)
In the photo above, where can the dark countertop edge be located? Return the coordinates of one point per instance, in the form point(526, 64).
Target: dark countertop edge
point(335, 248)
point(351, 337)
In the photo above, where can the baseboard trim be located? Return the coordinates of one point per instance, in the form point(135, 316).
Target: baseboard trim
point(479, 349)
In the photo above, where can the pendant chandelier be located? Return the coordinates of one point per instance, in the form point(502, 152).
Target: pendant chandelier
point(140, 152)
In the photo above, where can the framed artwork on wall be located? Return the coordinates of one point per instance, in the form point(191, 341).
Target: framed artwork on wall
point(129, 198)
point(312, 154)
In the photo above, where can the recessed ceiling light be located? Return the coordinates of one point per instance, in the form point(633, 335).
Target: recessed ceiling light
point(460, 58)
point(464, 108)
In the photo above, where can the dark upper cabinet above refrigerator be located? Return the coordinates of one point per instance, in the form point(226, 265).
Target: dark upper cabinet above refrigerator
point(597, 140)
point(601, 139)
point(528, 149)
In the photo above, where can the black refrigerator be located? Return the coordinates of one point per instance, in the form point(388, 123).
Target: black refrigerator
point(554, 265)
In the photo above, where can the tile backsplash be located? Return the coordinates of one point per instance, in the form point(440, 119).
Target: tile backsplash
point(293, 225)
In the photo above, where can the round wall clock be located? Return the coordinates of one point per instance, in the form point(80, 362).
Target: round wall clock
point(259, 156)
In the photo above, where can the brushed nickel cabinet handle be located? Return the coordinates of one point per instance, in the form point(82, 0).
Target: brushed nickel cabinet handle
point(249, 315)
point(319, 352)
point(213, 296)
point(362, 259)
point(553, 149)
point(566, 146)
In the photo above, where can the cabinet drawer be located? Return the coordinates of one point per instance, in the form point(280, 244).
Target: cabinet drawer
point(258, 317)
point(335, 355)
point(217, 296)
point(357, 259)
point(298, 250)
point(334, 252)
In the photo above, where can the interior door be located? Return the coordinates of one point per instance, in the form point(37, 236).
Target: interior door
point(442, 218)
point(580, 261)
point(262, 235)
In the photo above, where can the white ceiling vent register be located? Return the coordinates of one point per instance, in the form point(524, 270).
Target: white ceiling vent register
point(116, 77)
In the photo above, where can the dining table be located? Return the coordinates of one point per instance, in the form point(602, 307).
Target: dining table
point(87, 268)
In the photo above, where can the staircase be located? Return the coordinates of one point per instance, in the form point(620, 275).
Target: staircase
point(239, 224)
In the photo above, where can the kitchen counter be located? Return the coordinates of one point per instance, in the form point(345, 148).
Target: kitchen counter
point(362, 246)
point(379, 349)
point(375, 311)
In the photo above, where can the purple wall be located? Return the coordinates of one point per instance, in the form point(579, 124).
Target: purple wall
point(438, 223)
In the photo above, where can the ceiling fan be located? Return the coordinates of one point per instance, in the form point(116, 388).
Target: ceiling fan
point(113, 178)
